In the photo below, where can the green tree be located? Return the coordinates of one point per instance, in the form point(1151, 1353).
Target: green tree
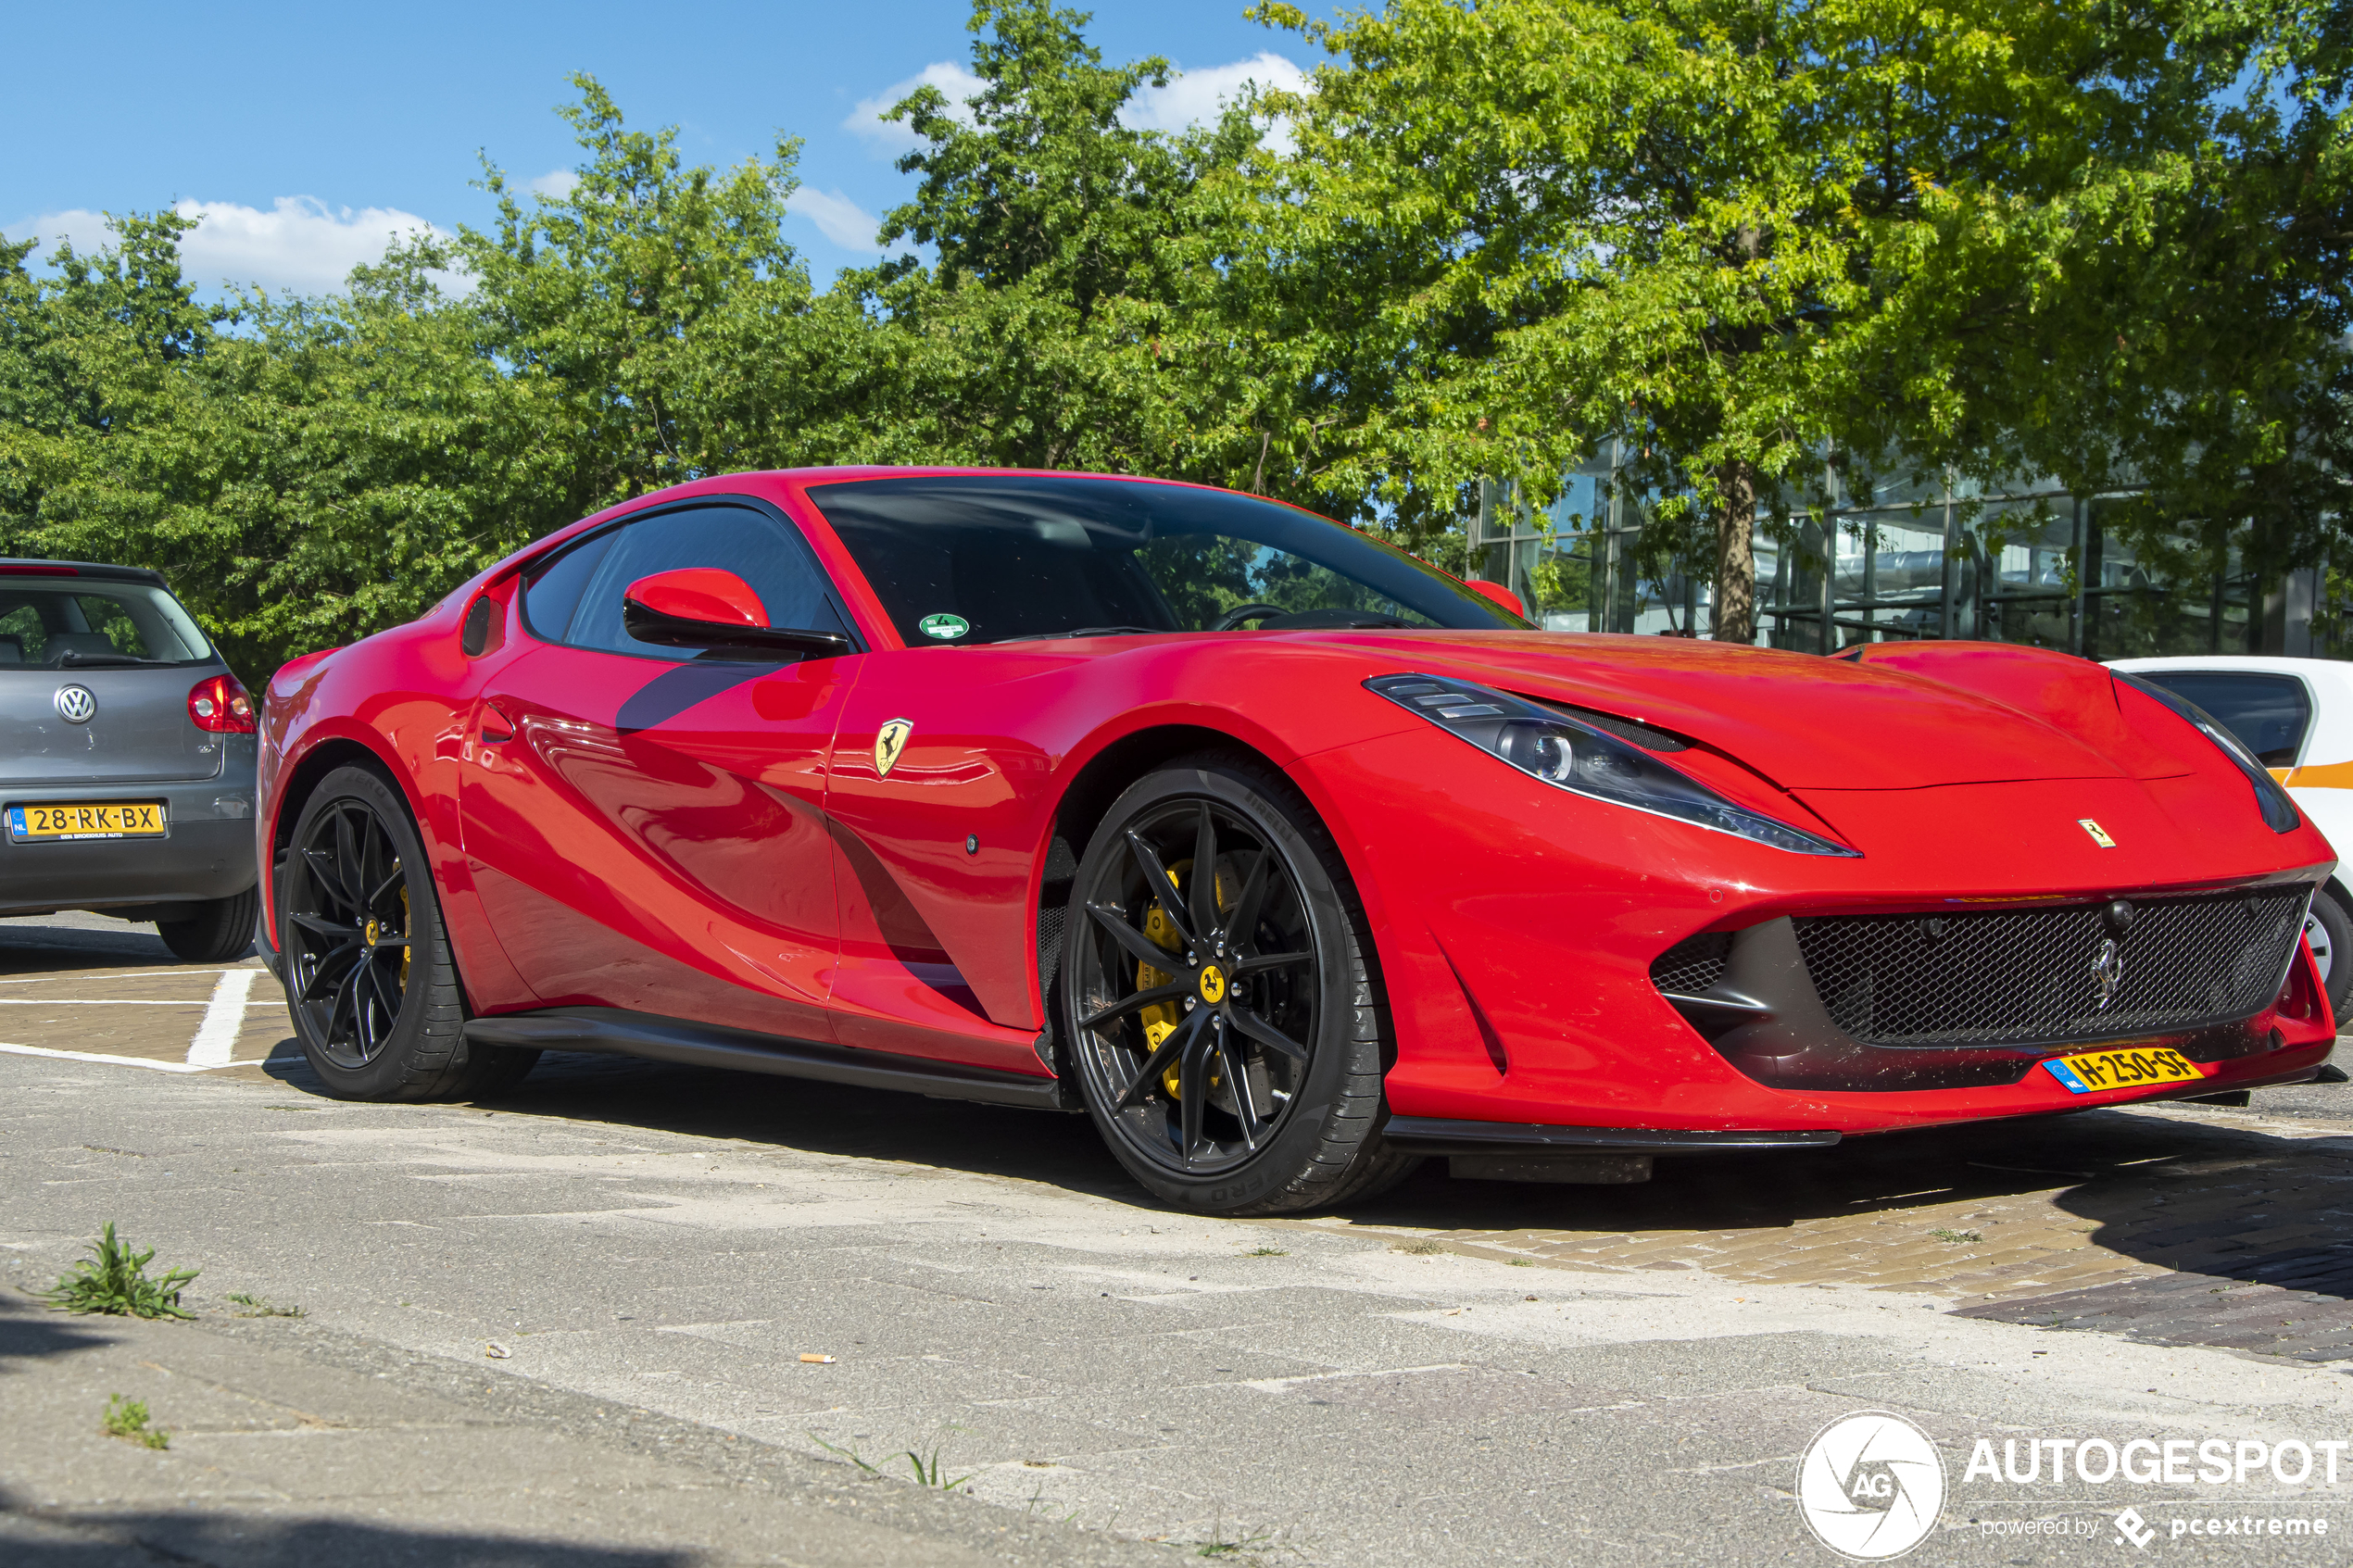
point(1737, 234)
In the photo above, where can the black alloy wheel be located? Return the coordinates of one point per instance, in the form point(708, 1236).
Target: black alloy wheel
point(347, 948)
point(1223, 1019)
point(366, 962)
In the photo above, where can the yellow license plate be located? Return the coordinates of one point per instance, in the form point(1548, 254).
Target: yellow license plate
point(141, 819)
point(2129, 1068)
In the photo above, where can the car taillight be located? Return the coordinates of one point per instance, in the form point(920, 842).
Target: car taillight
point(219, 705)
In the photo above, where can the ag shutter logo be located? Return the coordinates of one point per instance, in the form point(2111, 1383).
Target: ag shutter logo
point(1870, 1486)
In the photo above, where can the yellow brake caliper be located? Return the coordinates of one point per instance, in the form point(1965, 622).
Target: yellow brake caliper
point(1162, 1018)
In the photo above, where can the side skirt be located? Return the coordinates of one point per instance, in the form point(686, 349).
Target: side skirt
point(1425, 1134)
point(622, 1032)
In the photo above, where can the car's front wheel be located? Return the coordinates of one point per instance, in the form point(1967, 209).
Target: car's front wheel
point(1225, 1014)
point(370, 980)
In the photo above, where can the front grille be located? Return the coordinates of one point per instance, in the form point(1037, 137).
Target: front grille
point(1691, 965)
point(2031, 976)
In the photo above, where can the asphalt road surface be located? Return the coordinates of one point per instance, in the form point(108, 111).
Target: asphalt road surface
point(572, 1326)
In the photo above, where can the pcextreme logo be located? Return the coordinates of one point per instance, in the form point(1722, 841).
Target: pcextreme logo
point(1870, 1486)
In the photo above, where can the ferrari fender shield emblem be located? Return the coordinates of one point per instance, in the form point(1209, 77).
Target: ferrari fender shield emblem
point(890, 743)
point(2099, 834)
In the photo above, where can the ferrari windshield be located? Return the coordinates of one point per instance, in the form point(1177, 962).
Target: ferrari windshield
point(994, 558)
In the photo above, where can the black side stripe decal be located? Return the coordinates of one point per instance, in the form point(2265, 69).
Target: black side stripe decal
point(680, 687)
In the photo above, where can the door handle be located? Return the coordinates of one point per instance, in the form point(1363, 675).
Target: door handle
point(496, 726)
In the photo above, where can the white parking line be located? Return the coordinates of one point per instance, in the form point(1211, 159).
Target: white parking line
point(108, 974)
point(128, 1061)
point(224, 1020)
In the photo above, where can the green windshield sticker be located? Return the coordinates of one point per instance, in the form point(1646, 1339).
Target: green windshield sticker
point(945, 627)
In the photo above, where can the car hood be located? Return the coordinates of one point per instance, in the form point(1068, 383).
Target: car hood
point(1805, 722)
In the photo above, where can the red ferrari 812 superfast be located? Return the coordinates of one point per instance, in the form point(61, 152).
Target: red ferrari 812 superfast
point(1287, 857)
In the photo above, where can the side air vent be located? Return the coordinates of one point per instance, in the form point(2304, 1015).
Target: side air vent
point(1692, 965)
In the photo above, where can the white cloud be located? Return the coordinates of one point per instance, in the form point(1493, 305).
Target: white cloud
point(84, 230)
point(1194, 97)
point(889, 138)
point(556, 184)
point(299, 245)
point(836, 216)
point(1190, 98)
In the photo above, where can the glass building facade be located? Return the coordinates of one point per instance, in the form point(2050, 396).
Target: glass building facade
point(2025, 564)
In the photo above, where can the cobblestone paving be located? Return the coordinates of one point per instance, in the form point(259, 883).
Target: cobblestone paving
point(2187, 1225)
point(100, 988)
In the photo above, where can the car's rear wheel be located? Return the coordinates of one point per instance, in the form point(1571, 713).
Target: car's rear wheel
point(368, 977)
point(1224, 1016)
point(217, 931)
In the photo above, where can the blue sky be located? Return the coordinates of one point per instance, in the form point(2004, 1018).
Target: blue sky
point(307, 133)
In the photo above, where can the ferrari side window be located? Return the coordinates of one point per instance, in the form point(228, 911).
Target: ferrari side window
point(994, 558)
point(553, 591)
point(779, 567)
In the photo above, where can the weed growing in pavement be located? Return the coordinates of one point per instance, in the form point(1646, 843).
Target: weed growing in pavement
point(1421, 1249)
point(1956, 1236)
point(1222, 1545)
point(257, 1307)
point(113, 1279)
point(1265, 1252)
point(852, 1455)
point(1523, 1262)
point(925, 1467)
point(127, 1419)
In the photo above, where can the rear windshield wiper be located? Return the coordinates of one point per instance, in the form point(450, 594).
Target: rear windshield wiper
point(71, 658)
point(1086, 631)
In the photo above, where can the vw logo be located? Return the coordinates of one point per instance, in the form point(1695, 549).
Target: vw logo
point(75, 705)
point(2107, 969)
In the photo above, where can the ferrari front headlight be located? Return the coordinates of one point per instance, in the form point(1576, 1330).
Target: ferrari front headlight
point(1584, 759)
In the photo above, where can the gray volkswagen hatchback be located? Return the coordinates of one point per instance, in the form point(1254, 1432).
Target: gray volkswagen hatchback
point(127, 754)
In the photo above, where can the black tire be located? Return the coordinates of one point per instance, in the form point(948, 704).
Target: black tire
point(368, 977)
point(2330, 930)
point(219, 930)
point(1309, 1033)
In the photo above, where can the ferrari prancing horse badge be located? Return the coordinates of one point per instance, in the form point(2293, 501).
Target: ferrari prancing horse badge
point(890, 743)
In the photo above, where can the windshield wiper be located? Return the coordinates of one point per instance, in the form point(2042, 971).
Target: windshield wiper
point(73, 658)
point(1085, 631)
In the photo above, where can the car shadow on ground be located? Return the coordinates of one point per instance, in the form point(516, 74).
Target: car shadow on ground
point(29, 1330)
point(2121, 1171)
point(49, 949)
point(32, 1538)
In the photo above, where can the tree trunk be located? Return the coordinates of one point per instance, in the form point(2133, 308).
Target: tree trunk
point(1734, 619)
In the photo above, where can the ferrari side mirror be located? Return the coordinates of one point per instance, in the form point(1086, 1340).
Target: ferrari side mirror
point(702, 607)
point(1500, 594)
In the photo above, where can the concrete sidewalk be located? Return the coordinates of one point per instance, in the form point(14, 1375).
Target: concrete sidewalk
point(295, 1446)
point(1446, 1379)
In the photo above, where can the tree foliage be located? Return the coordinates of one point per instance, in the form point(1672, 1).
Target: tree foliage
point(1755, 242)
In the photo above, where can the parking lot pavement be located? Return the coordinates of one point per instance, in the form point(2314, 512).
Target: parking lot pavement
point(87, 987)
point(569, 1326)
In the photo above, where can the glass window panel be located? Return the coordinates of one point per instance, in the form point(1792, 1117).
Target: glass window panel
point(2268, 714)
